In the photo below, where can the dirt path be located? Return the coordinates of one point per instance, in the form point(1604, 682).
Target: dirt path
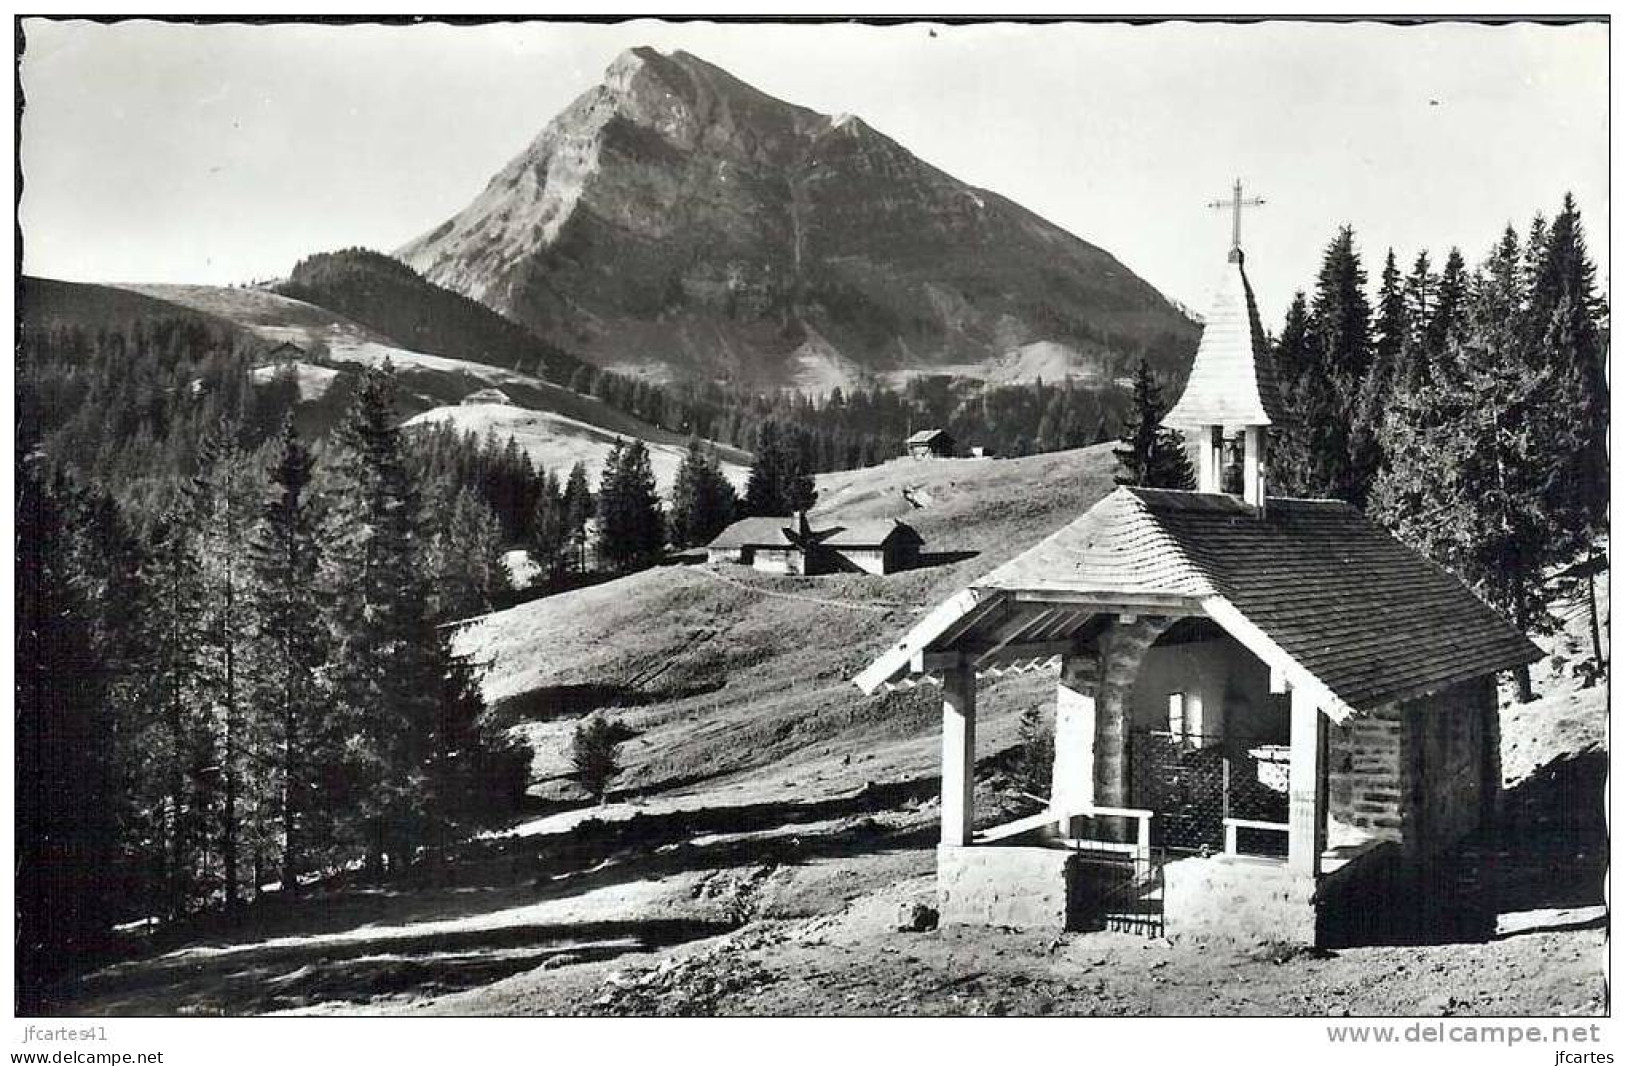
point(856, 963)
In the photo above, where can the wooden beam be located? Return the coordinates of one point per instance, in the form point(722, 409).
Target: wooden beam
point(1116, 602)
point(950, 617)
point(1258, 642)
point(1008, 653)
point(931, 662)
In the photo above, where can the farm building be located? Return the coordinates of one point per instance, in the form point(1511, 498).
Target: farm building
point(796, 546)
point(931, 444)
point(1269, 712)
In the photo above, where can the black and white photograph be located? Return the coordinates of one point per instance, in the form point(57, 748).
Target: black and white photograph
point(632, 517)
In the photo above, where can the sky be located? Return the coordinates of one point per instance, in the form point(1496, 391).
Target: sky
point(219, 154)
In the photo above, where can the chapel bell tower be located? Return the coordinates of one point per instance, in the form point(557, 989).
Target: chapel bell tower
point(1232, 394)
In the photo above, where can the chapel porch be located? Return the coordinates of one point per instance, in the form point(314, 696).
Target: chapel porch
point(1190, 785)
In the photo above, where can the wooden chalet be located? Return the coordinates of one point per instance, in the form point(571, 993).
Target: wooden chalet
point(931, 444)
point(796, 546)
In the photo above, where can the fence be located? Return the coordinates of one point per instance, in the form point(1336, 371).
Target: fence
point(1211, 793)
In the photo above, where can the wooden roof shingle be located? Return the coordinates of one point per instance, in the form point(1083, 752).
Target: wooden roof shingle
point(1368, 617)
point(1232, 381)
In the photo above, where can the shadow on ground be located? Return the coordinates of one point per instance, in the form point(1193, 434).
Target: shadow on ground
point(1546, 852)
point(467, 919)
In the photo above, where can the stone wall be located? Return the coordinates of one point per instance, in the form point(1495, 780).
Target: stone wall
point(1366, 780)
point(1238, 898)
point(1424, 773)
point(1026, 888)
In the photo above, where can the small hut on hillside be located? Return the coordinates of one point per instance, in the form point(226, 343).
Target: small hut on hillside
point(797, 546)
point(931, 444)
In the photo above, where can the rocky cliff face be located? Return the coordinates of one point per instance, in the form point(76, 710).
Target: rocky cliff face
point(677, 221)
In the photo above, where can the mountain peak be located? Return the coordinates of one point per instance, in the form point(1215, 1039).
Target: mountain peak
point(676, 220)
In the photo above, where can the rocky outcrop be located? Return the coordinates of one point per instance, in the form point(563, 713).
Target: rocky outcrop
point(675, 220)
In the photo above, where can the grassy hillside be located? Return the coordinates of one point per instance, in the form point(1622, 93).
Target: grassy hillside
point(47, 303)
point(729, 672)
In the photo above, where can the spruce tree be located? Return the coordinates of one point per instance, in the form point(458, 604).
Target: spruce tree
point(631, 524)
point(180, 742)
point(65, 836)
point(299, 750)
point(1471, 454)
point(703, 501)
point(463, 555)
point(550, 532)
point(1151, 456)
point(1564, 319)
point(781, 477)
point(384, 670)
point(579, 506)
point(1444, 328)
point(1389, 340)
point(1567, 328)
point(1314, 456)
point(220, 505)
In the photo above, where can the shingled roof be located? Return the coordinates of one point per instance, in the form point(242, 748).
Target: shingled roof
point(867, 534)
point(754, 533)
point(1232, 381)
point(1312, 583)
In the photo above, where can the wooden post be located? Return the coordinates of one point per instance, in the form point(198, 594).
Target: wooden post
point(1210, 459)
point(1252, 466)
point(958, 754)
point(1306, 808)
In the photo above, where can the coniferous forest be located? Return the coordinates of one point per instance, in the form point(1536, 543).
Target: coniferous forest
point(1464, 408)
point(240, 676)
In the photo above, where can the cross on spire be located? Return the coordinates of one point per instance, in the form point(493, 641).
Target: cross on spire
point(1235, 204)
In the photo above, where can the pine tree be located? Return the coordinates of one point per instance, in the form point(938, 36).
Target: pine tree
point(1151, 456)
point(1314, 456)
point(298, 748)
point(65, 836)
point(1388, 345)
point(631, 525)
point(703, 501)
point(385, 679)
point(463, 555)
point(219, 503)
